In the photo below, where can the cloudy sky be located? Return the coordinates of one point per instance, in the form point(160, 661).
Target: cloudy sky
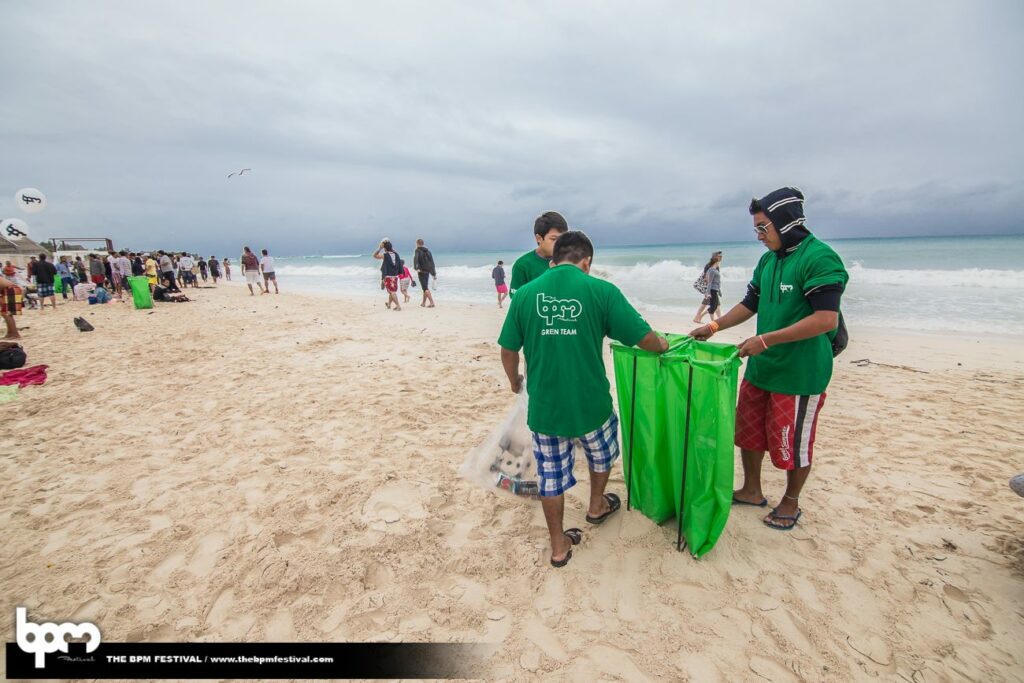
point(642, 122)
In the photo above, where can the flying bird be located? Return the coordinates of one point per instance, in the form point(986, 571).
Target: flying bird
point(239, 172)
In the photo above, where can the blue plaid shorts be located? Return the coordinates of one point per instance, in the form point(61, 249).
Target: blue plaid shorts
point(555, 458)
point(44, 290)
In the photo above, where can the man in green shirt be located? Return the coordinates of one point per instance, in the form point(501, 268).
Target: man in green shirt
point(546, 230)
point(795, 293)
point(560, 320)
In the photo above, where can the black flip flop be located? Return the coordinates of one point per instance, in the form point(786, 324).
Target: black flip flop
point(613, 506)
point(575, 536)
point(772, 517)
point(737, 501)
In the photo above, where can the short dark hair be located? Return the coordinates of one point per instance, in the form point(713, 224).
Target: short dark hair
point(756, 208)
point(548, 221)
point(501, 263)
point(573, 246)
point(387, 245)
point(264, 252)
point(42, 257)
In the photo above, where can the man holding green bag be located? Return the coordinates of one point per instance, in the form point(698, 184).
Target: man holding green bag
point(560, 320)
point(795, 294)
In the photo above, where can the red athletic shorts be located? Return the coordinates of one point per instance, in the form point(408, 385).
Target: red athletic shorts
point(781, 424)
point(391, 283)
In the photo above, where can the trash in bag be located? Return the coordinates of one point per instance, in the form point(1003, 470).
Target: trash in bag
point(504, 461)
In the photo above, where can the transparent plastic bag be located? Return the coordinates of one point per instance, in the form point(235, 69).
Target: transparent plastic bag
point(504, 462)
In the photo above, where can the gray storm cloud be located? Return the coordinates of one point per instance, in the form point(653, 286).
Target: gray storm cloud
point(460, 122)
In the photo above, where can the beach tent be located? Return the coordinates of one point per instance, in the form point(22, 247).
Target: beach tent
point(19, 251)
point(678, 417)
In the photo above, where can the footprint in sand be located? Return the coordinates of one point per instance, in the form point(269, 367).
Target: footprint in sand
point(205, 556)
point(392, 503)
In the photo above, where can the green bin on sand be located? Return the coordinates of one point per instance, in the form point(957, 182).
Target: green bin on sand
point(678, 420)
point(139, 285)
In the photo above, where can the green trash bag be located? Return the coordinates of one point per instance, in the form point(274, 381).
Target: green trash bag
point(139, 285)
point(678, 417)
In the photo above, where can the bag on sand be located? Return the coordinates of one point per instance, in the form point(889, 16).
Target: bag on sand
point(504, 462)
point(11, 358)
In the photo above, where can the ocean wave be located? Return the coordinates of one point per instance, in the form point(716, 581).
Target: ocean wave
point(328, 271)
point(673, 271)
point(966, 277)
point(342, 256)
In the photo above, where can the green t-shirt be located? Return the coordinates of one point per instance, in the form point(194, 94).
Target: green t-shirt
point(560, 321)
point(527, 267)
point(798, 368)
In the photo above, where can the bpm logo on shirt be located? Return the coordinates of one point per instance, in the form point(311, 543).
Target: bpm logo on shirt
point(552, 309)
point(785, 289)
point(40, 646)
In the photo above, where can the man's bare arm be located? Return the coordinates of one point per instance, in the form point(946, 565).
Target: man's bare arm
point(510, 362)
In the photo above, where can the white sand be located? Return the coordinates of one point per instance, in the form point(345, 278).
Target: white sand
point(282, 468)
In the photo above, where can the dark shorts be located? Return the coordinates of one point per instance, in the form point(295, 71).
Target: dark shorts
point(424, 280)
point(267, 277)
point(44, 290)
point(713, 300)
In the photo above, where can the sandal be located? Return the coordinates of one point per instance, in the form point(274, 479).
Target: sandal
point(613, 506)
point(772, 517)
point(737, 501)
point(575, 536)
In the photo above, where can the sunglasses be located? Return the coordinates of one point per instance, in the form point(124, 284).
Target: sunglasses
point(761, 228)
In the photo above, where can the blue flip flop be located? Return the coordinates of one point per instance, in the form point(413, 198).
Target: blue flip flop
point(783, 518)
point(737, 501)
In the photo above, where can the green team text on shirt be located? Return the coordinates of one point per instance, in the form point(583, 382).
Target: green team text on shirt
point(527, 267)
point(560, 321)
point(804, 367)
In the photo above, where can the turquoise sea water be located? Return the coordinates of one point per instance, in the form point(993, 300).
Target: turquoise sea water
point(927, 284)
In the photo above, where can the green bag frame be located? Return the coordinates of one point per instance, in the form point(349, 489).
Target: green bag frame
point(678, 417)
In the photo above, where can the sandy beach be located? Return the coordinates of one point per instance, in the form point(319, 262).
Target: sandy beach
point(283, 468)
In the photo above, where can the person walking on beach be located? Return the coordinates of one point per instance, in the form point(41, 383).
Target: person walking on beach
point(167, 271)
point(45, 274)
point(67, 280)
point(795, 294)
point(151, 272)
point(125, 266)
point(185, 264)
point(30, 270)
point(703, 280)
point(531, 265)
point(560, 320)
point(404, 280)
point(80, 271)
point(227, 269)
point(96, 271)
point(714, 279)
point(267, 266)
point(251, 270)
point(423, 264)
point(203, 268)
point(390, 269)
point(214, 269)
point(498, 273)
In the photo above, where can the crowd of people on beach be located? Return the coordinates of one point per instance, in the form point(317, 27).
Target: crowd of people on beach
point(108, 278)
